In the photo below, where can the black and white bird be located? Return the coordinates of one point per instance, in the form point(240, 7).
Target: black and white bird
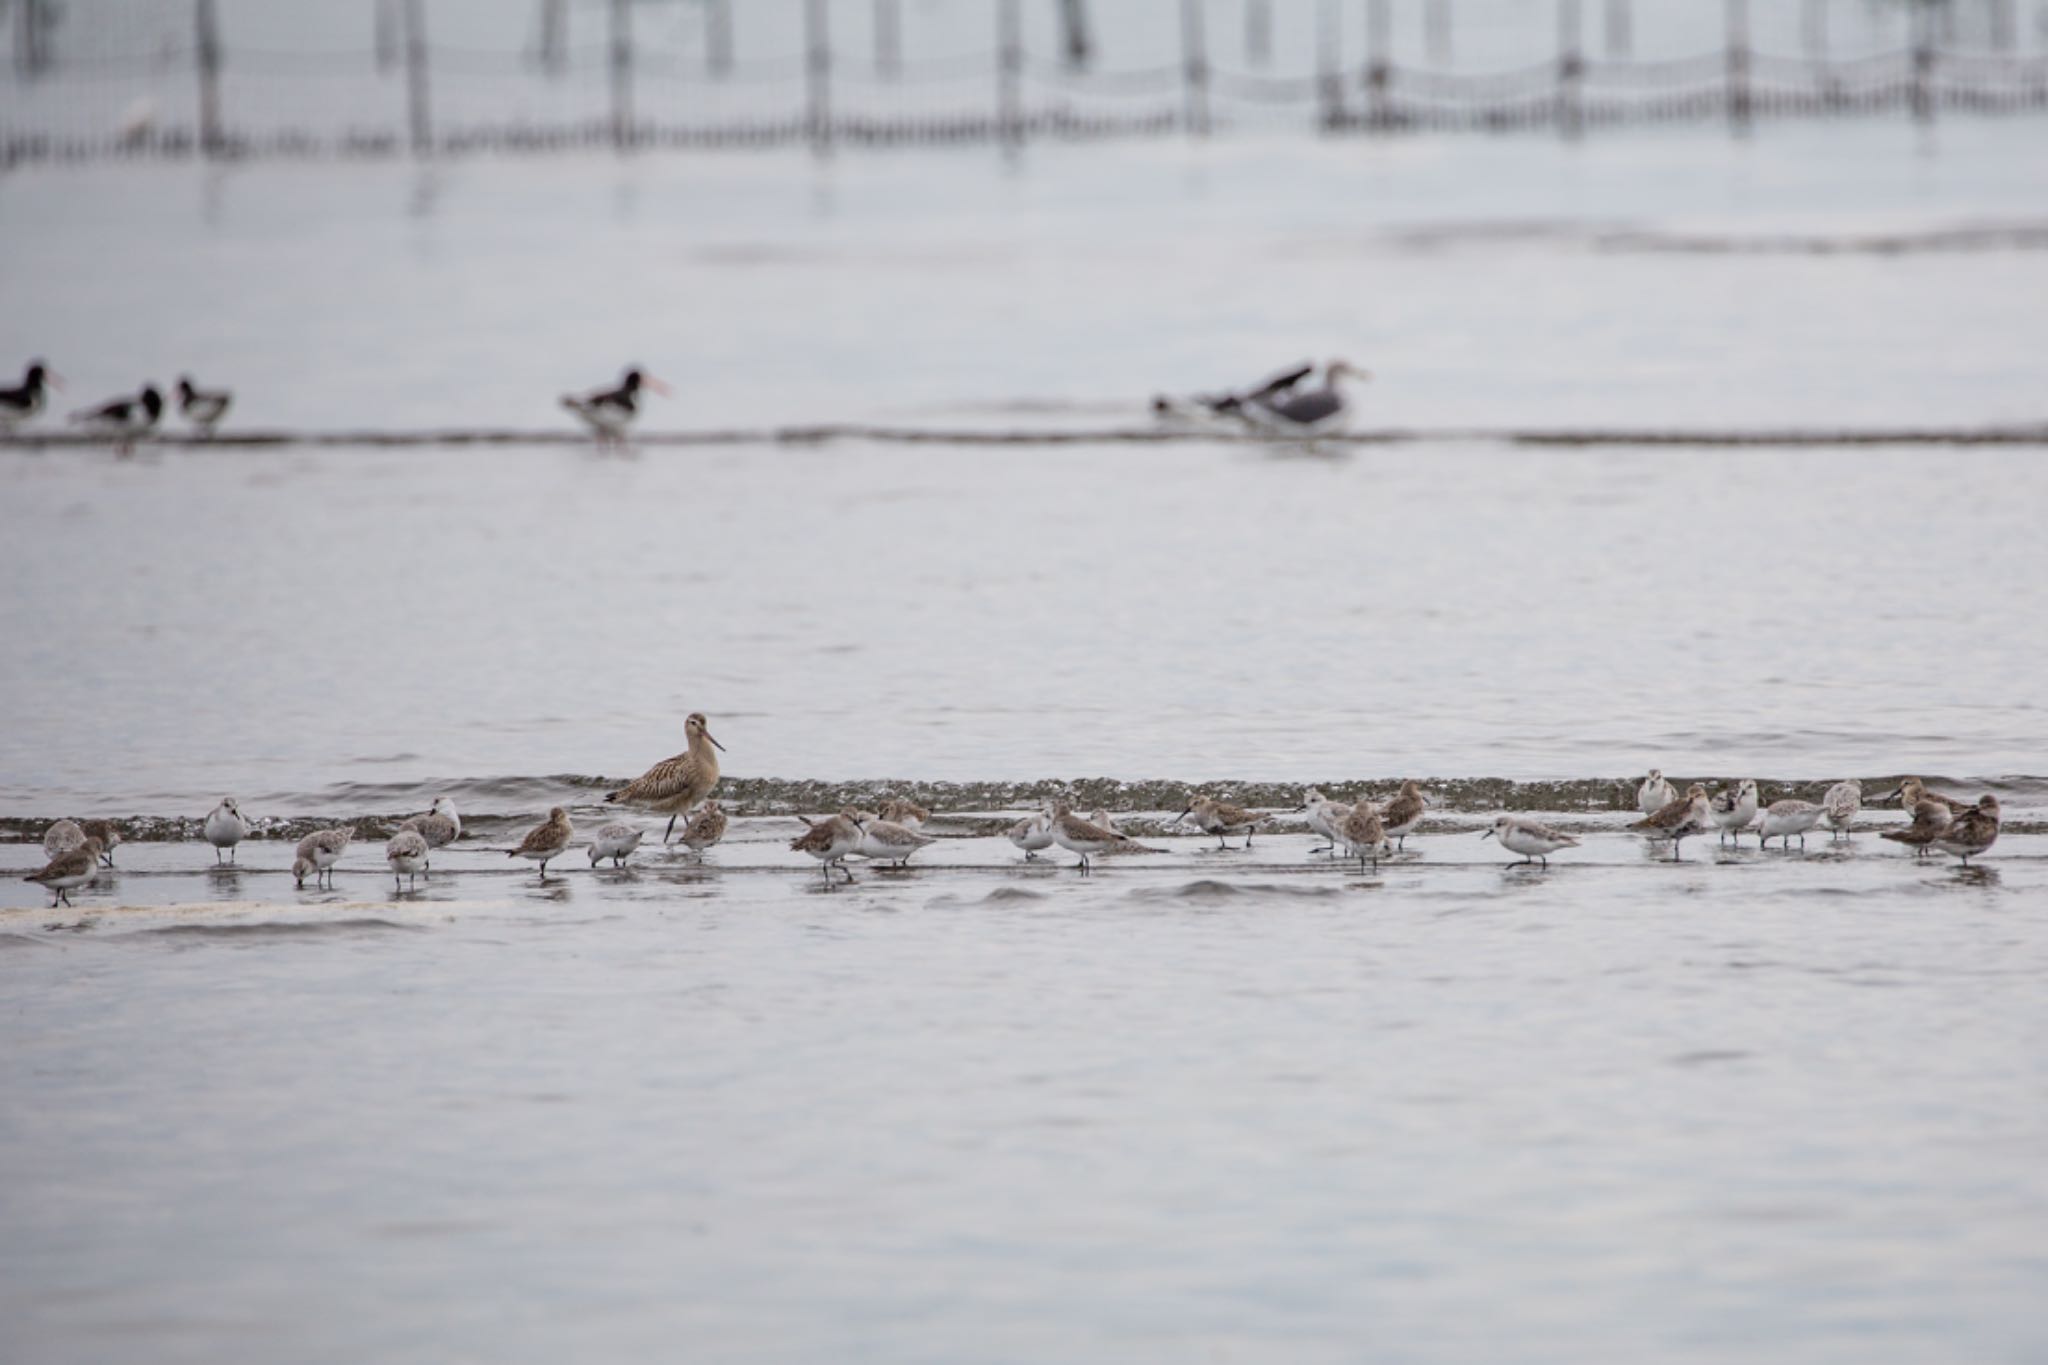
point(1228, 403)
point(203, 408)
point(25, 400)
point(123, 419)
point(609, 412)
point(1311, 412)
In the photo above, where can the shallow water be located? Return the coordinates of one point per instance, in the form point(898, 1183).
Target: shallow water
point(1224, 1102)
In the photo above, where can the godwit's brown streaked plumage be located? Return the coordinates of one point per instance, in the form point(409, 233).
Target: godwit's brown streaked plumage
point(677, 784)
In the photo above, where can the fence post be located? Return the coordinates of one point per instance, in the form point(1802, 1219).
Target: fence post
point(1258, 32)
point(1436, 21)
point(418, 114)
point(1009, 70)
point(718, 37)
point(1194, 69)
point(1074, 39)
point(888, 38)
point(208, 43)
point(1620, 31)
point(1571, 69)
point(554, 36)
point(1923, 63)
point(1330, 66)
point(1738, 65)
point(1379, 32)
point(818, 72)
point(622, 75)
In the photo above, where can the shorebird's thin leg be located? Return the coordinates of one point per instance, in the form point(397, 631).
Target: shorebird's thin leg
point(671, 828)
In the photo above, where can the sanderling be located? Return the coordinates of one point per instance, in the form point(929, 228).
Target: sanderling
point(24, 400)
point(1680, 819)
point(1840, 806)
point(676, 784)
point(1033, 832)
point(704, 829)
point(829, 841)
point(1655, 794)
point(1078, 836)
point(318, 852)
point(1325, 817)
point(1365, 834)
point(1219, 818)
point(898, 811)
point(1971, 832)
point(106, 835)
point(203, 408)
point(545, 842)
point(225, 827)
point(616, 841)
point(609, 412)
point(1734, 809)
point(440, 826)
point(885, 841)
point(1534, 841)
point(72, 868)
point(407, 853)
point(1931, 820)
point(1402, 814)
point(1781, 820)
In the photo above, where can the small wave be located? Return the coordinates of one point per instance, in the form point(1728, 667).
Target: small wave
point(1208, 889)
point(284, 929)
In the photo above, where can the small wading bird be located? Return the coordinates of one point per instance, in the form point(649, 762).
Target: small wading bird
point(1365, 834)
point(225, 827)
point(616, 841)
point(1931, 819)
point(440, 826)
point(610, 412)
point(68, 871)
point(1735, 809)
point(1325, 817)
point(24, 400)
point(1680, 819)
point(1402, 814)
point(1534, 841)
point(1306, 413)
point(1230, 402)
point(318, 852)
point(1078, 836)
point(1033, 833)
point(677, 784)
point(545, 842)
point(407, 854)
point(66, 835)
point(1911, 793)
point(899, 811)
point(1782, 820)
point(704, 829)
point(123, 419)
point(203, 408)
point(885, 841)
point(1840, 806)
point(829, 841)
point(1655, 793)
point(1219, 818)
point(1971, 832)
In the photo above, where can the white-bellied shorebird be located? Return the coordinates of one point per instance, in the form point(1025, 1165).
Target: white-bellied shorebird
point(318, 852)
point(616, 841)
point(704, 829)
point(899, 811)
point(1912, 792)
point(224, 828)
point(677, 784)
point(106, 834)
point(1220, 818)
point(830, 841)
point(203, 408)
point(1033, 833)
point(1734, 809)
point(1325, 817)
point(1655, 794)
point(609, 413)
point(546, 841)
point(1973, 831)
point(68, 871)
point(61, 837)
point(406, 852)
point(1680, 819)
point(1532, 839)
point(1788, 819)
point(1365, 834)
point(1931, 820)
point(1080, 837)
point(440, 826)
point(1402, 814)
point(1841, 805)
point(885, 841)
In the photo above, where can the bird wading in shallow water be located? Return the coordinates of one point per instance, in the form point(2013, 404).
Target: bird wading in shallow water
point(677, 784)
point(609, 413)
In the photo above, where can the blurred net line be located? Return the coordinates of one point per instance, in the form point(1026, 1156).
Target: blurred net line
point(190, 94)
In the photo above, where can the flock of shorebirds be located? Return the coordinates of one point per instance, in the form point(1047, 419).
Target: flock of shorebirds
point(1369, 831)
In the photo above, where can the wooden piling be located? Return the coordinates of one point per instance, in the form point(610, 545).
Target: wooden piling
point(419, 117)
point(1194, 69)
point(622, 74)
point(206, 26)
